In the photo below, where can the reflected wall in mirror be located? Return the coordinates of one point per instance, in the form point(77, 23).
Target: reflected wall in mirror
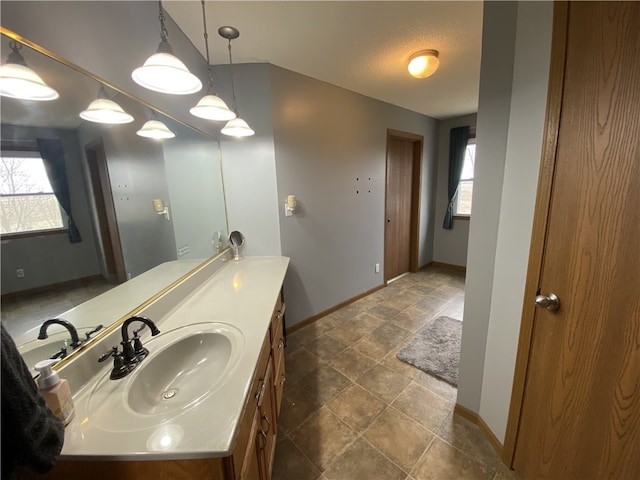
point(144, 209)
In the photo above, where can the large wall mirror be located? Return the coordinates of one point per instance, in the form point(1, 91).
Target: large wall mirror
point(147, 211)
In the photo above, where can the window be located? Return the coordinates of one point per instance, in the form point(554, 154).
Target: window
point(27, 202)
point(462, 204)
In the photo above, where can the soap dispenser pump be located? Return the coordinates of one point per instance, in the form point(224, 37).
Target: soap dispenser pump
point(55, 391)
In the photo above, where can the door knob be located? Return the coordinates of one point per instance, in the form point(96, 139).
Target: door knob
point(550, 301)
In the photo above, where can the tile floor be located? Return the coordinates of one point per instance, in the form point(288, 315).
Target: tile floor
point(351, 410)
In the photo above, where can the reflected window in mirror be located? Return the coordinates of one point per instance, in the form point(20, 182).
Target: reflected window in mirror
point(27, 201)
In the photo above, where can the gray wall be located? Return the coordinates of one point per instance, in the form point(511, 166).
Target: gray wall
point(329, 142)
point(498, 37)
point(524, 146)
point(49, 259)
point(449, 246)
point(196, 197)
point(513, 91)
point(248, 164)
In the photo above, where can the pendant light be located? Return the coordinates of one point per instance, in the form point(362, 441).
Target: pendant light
point(211, 106)
point(105, 110)
point(19, 81)
point(235, 127)
point(163, 72)
point(155, 129)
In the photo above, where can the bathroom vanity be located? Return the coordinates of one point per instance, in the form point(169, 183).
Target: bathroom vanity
point(206, 400)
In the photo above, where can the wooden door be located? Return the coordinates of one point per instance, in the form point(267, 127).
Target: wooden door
point(103, 201)
point(576, 403)
point(404, 152)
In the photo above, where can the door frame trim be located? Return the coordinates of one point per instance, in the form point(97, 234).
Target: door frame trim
point(99, 163)
point(540, 225)
point(416, 192)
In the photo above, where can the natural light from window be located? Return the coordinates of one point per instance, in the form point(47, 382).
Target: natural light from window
point(465, 188)
point(27, 202)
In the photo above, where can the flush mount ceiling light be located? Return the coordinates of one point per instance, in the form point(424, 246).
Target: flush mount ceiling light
point(424, 63)
point(211, 106)
point(155, 129)
point(104, 110)
point(163, 72)
point(19, 81)
point(235, 127)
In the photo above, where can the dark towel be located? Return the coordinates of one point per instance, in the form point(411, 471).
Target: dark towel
point(31, 434)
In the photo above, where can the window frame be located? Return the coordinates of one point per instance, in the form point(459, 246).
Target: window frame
point(464, 216)
point(16, 151)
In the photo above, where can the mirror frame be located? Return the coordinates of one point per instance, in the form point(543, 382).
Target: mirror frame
point(118, 323)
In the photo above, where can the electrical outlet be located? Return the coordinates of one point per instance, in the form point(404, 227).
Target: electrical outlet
point(377, 268)
point(20, 272)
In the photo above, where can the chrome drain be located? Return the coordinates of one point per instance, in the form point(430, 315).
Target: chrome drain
point(169, 394)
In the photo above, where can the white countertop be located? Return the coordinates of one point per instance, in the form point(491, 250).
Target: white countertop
point(241, 294)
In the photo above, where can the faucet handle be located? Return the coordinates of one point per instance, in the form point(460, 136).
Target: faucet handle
point(136, 332)
point(59, 354)
point(120, 367)
point(95, 330)
point(111, 353)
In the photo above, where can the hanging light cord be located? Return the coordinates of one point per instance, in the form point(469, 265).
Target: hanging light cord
point(15, 56)
point(164, 46)
point(233, 88)
point(206, 47)
point(163, 29)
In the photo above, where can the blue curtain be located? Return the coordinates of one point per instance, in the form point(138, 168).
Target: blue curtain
point(52, 153)
point(458, 138)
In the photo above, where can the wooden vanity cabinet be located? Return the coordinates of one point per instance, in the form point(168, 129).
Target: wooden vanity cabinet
point(254, 450)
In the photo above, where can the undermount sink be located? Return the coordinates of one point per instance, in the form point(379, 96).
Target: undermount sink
point(185, 366)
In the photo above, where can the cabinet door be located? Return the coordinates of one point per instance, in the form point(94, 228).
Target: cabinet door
point(267, 429)
point(278, 366)
point(251, 467)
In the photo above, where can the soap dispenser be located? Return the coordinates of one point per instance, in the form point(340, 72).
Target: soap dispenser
point(55, 391)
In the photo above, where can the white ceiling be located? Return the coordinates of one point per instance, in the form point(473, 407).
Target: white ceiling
point(362, 46)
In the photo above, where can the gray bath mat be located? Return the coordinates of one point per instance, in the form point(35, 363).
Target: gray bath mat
point(436, 349)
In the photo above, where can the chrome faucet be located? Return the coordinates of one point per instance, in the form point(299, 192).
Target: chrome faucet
point(75, 341)
point(132, 355)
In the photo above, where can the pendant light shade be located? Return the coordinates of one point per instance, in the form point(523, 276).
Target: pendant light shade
point(211, 106)
point(163, 72)
point(19, 81)
point(104, 110)
point(237, 128)
point(156, 130)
